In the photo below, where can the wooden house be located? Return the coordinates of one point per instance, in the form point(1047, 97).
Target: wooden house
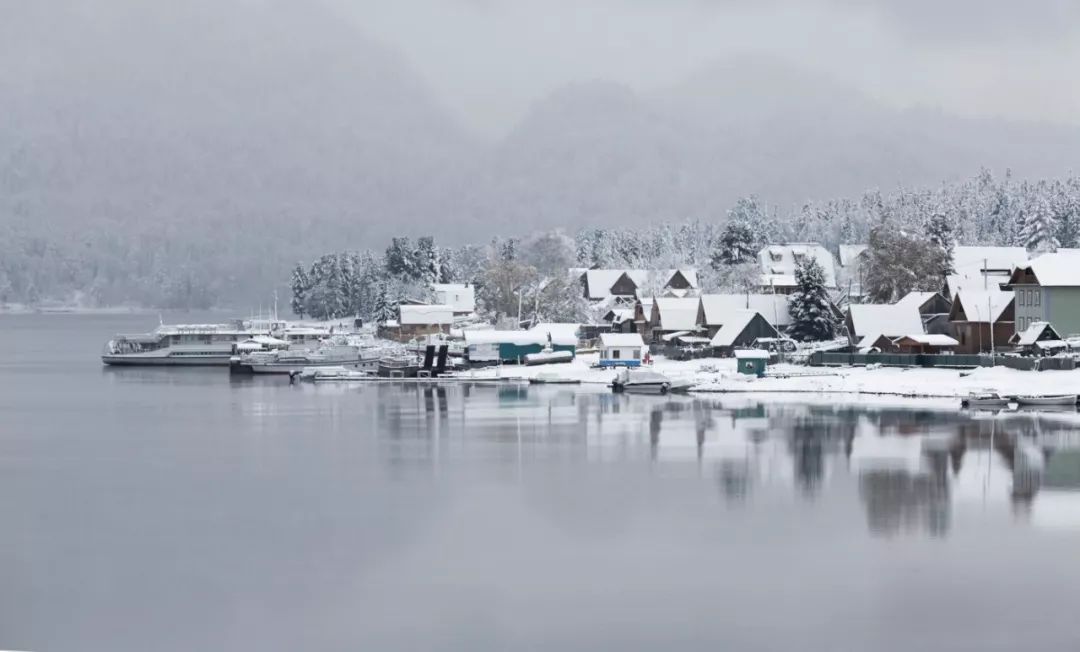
point(740, 331)
point(982, 321)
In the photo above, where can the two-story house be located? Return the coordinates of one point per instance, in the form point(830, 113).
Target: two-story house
point(1047, 289)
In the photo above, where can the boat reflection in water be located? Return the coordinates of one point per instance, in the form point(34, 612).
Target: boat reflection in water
point(912, 469)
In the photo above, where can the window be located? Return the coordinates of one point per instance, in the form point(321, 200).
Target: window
point(1021, 297)
point(1038, 298)
point(615, 354)
point(635, 354)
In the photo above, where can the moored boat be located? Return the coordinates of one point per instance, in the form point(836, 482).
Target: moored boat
point(184, 344)
point(645, 382)
point(984, 400)
point(1055, 400)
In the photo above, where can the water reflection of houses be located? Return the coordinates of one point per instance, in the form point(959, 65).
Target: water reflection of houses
point(913, 469)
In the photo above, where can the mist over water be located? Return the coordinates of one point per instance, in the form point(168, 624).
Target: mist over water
point(179, 509)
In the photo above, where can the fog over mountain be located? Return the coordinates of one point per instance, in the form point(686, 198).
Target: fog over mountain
point(146, 147)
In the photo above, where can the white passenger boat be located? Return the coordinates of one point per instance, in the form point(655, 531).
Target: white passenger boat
point(330, 355)
point(185, 344)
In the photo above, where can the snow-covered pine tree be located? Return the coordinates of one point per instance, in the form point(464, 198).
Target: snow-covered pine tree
point(1040, 229)
point(1066, 205)
point(300, 286)
point(939, 231)
point(384, 308)
point(735, 246)
point(507, 249)
point(400, 259)
point(812, 317)
point(426, 260)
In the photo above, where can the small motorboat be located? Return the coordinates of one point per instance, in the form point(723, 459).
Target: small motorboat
point(1053, 400)
point(984, 400)
point(645, 382)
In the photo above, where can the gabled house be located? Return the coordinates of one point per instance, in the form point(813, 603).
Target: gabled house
point(1038, 339)
point(621, 350)
point(955, 283)
point(671, 315)
point(933, 308)
point(626, 285)
point(740, 331)
point(778, 263)
point(415, 320)
point(867, 322)
point(716, 309)
point(982, 320)
point(1047, 289)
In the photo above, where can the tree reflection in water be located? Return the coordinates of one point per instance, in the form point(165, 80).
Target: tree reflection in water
point(911, 466)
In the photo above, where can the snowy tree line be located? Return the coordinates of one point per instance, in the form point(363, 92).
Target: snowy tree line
point(911, 235)
point(198, 264)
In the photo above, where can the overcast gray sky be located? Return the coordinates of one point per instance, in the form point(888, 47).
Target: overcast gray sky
point(489, 59)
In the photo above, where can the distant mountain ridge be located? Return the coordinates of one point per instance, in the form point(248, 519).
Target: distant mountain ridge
point(235, 138)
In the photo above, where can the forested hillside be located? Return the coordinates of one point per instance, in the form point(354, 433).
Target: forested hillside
point(188, 154)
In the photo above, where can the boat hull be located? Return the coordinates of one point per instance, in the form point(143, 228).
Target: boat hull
point(642, 388)
point(295, 367)
point(1068, 400)
point(134, 360)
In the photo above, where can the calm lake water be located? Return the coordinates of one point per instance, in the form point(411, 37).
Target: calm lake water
point(176, 509)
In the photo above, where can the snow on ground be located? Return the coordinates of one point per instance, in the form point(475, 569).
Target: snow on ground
point(720, 375)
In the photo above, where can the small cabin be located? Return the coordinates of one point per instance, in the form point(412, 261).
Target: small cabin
point(752, 362)
point(1040, 338)
point(621, 349)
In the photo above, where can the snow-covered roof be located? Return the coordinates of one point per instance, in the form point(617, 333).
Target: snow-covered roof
point(677, 314)
point(1032, 333)
point(971, 260)
point(751, 354)
point(736, 323)
point(1061, 268)
point(558, 329)
point(930, 339)
point(778, 263)
point(516, 337)
point(460, 296)
point(600, 280)
point(425, 314)
point(777, 281)
point(849, 253)
point(891, 320)
point(621, 340)
point(983, 306)
point(916, 299)
point(773, 307)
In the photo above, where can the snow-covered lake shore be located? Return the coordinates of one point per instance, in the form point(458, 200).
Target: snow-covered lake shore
point(719, 375)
